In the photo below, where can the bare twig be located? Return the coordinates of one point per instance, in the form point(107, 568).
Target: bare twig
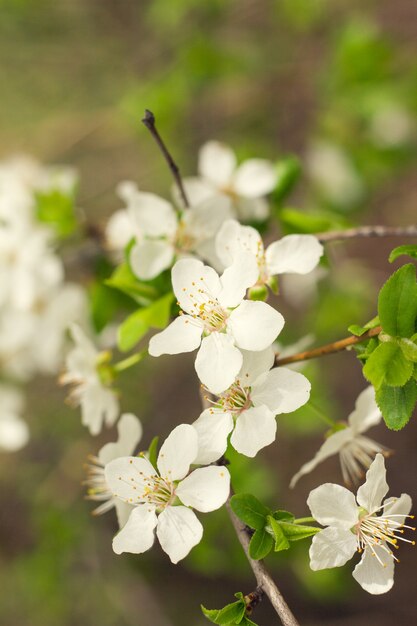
point(330, 348)
point(149, 121)
point(263, 578)
point(368, 231)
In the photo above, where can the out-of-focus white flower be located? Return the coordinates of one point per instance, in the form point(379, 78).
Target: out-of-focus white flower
point(14, 432)
point(245, 184)
point(365, 524)
point(249, 406)
point(300, 289)
point(293, 254)
point(163, 498)
point(163, 234)
point(334, 174)
point(356, 451)
point(218, 318)
point(392, 126)
point(130, 431)
point(99, 403)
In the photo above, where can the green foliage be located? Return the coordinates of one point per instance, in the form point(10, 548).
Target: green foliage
point(361, 330)
point(234, 613)
point(388, 365)
point(57, 209)
point(153, 451)
point(288, 173)
point(124, 280)
point(397, 403)
point(248, 508)
point(407, 250)
point(261, 544)
point(295, 221)
point(134, 327)
point(397, 303)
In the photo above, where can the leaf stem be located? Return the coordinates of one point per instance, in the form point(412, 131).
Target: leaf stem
point(330, 348)
point(130, 361)
point(149, 121)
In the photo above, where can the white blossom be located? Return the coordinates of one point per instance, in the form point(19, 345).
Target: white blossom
point(163, 234)
point(217, 320)
point(14, 432)
point(293, 254)
point(247, 409)
point(130, 431)
point(246, 184)
point(356, 452)
point(365, 524)
point(162, 498)
point(99, 403)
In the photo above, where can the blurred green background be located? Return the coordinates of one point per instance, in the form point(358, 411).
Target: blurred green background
point(332, 83)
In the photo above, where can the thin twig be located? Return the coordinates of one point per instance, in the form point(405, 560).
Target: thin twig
point(149, 121)
point(368, 231)
point(263, 578)
point(330, 348)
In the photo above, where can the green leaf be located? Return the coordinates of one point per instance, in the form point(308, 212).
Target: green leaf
point(153, 451)
point(260, 544)
point(397, 404)
point(397, 302)
point(296, 532)
point(283, 516)
point(134, 327)
point(361, 330)
point(407, 250)
point(247, 622)
point(124, 280)
point(387, 365)
point(250, 510)
point(57, 209)
point(409, 349)
point(296, 221)
point(281, 542)
point(288, 172)
point(230, 614)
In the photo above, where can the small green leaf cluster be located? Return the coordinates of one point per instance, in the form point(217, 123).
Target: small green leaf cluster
point(271, 529)
point(390, 360)
point(234, 613)
point(56, 208)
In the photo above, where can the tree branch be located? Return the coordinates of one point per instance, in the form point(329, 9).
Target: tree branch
point(368, 231)
point(149, 121)
point(330, 348)
point(263, 578)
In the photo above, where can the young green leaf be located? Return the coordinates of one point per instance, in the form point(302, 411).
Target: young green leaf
point(281, 542)
point(247, 622)
point(296, 532)
point(134, 327)
point(124, 280)
point(397, 404)
point(409, 349)
point(361, 330)
point(388, 365)
point(57, 209)
point(250, 510)
point(153, 451)
point(407, 250)
point(260, 544)
point(228, 615)
point(283, 516)
point(397, 303)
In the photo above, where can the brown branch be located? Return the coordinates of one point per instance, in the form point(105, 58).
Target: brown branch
point(368, 231)
point(263, 578)
point(330, 348)
point(149, 121)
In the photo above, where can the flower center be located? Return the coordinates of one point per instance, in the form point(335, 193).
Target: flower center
point(356, 456)
point(184, 241)
point(236, 399)
point(158, 491)
point(383, 530)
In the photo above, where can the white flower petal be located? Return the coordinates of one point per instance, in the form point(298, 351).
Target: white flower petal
point(249, 209)
point(216, 163)
point(151, 215)
point(204, 219)
point(137, 535)
point(333, 505)
point(233, 238)
point(177, 452)
point(282, 390)
point(119, 230)
point(366, 413)
point(255, 364)
point(130, 431)
point(255, 177)
point(398, 506)
point(213, 427)
point(182, 335)
point(294, 254)
point(197, 190)
point(332, 547)
point(375, 488)
point(255, 325)
point(218, 362)
point(14, 432)
point(371, 575)
point(332, 445)
point(194, 283)
point(237, 278)
point(98, 405)
point(148, 258)
point(205, 489)
point(123, 511)
point(178, 531)
point(255, 428)
point(127, 476)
